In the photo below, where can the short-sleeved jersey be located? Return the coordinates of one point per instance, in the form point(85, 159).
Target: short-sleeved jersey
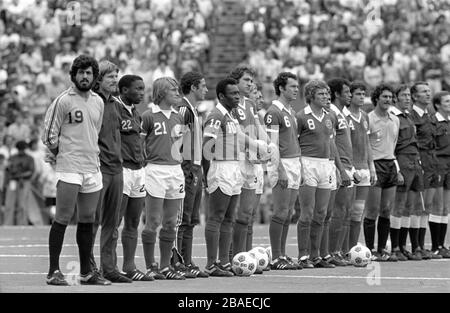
point(442, 135)
point(130, 132)
point(222, 126)
point(383, 135)
point(72, 124)
point(407, 138)
point(314, 133)
point(425, 129)
point(163, 136)
point(246, 115)
point(281, 126)
point(343, 138)
point(192, 140)
point(359, 134)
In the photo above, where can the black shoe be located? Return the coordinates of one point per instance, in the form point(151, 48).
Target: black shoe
point(170, 273)
point(305, 262)
point(226, 267)
point(214, 270)
point(426, 254)
point(93, 278)
point(334, 260)
point(282, 264)
point(290, 261)
point(416, 256)
point(320, 263)
point(444, 252)
point(56, 279)
point(196, 271)
point(400, 255)
point(153, 271)
point(183, 270)
point(137, 275)
point(116, 277)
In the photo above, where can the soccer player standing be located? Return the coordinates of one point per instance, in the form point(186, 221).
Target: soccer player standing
point(193, 87)
point(407, 154)
point(131, 93)
point(284, 174)
point(71, 127)
point(439, 214)
point(383, 134)
point(108, 208)
point(315, 130)
point(164, 180)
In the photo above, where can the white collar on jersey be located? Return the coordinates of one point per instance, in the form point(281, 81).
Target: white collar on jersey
point(346, 111)
point(419, 110)
point(308, 110)
point(335, 109)
point(394, 110)
point(224, 111)
point(439, 117)
point(280, 105)
point(156, 108)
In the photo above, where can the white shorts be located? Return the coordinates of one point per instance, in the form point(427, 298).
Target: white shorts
point(365, 177)
point(350, 175)
point(317, 172)
point(259, 179)
point(225, 175)
point(134, 182)
point(333, 175)
point(89, 182)
point(293, 169)
point(164, 181)
point(248, 172)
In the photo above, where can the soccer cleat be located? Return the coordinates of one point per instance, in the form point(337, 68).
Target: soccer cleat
point(320, 263)
point(290, 261)
point(305, 262)
point(56, 279)
point(400, 256)
point(116, 277)
point(154, 272)
point(94, 278)
point(137, 275)
point(215, 271)
point(196, 271)
point(282, 264)
point(334, 261)
point(444, 252)
point(339, 260)
point(183, 270)
point(385, 256)
point(375, 255)
point(435, 255)
point(416, 256)
point(426, 254)
point(170, 273)
point(226, 267)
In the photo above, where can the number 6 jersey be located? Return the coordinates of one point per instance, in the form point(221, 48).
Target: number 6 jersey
point(72, 124)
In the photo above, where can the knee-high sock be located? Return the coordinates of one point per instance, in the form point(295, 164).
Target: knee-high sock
point(369, 232)
point(434, 222)
point(443, 233)
point(423, 230)
point(404, 228)
point(355, 230)
point(148, 244)
point(303, 237)
point(324, 241)
point(85, 242)
point(212, 234)
point(383, 232)
point(315, 237)
point(166, 243)
point(284, 234)
point(186, 247)
point(395, 225)
point(414, 232)
point(275, 230)
point(335, 229)
point(129, 244)
point(240, 229)
point(249, 241)
point(180, 238)
point(55, 243)
point(344, 239)
point(225, 239)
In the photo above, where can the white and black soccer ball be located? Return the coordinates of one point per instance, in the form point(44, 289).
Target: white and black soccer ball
point(261, 256)
point(360, 255)
point(244, 264)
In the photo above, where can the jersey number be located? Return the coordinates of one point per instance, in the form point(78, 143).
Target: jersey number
point(342, 124)
point(287, 122)
point(269, 119)
point(311, 124)
point(241, 114)
point(181, 188)
point(215, 124)
point(232, 128)
point(160, 128)
point(126, 125)
point(77, 117)
point(350, 124)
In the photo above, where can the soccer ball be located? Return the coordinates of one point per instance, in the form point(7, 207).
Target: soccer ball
point(244, 264)
point(360, 255)
point(269, 253)
point(261, 257)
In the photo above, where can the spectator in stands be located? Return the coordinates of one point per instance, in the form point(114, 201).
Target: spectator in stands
point(19, 130)
point(162, 70)
point(8, 147)
point(373, 73)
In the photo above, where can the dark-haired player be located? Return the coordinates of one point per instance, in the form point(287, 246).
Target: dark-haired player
point(71, 127)
point(284, 173)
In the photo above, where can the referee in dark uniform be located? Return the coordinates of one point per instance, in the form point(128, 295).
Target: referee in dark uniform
point(193, 87)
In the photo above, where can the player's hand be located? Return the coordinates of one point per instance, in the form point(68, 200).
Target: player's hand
point(345, 180)
point(282, 179)
point(50, 158)
point(356, 178)
point(400, 179)
point(373, 177)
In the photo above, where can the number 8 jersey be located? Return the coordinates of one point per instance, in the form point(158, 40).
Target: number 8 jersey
point(281, 122)
point(163, 136)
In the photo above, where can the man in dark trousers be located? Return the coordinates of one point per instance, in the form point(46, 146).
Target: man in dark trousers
point(111, 167)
